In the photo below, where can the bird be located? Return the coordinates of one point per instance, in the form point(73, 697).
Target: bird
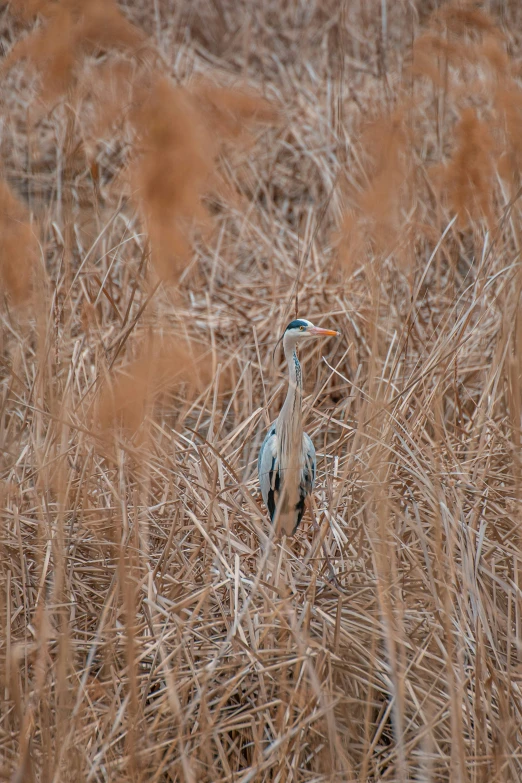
point(286, 464)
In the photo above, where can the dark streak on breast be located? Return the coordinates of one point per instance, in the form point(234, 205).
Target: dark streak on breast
point(300, 507)
point(273, 493)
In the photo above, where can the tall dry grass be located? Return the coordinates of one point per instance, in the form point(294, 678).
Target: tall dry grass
point(171, 178)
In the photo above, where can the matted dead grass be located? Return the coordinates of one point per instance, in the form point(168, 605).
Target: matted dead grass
point(173, 179)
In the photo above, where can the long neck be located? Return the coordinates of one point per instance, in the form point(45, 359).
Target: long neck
point(291, 410)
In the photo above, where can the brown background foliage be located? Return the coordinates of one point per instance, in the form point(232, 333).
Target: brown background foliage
point(172, 175)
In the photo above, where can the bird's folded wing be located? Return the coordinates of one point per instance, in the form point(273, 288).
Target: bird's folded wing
point(265, 462)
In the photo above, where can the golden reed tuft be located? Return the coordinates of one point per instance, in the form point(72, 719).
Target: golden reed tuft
point(386, 143)
point(463, 54)
point(374, 220)
point(432, 53)
point(469, 177)
point(18, 246)
point(129, 394)
point(464, 20)
point(71, 31)
point(180, 132)
point(176, 153)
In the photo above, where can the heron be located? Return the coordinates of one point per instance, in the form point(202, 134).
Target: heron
point(286, 464)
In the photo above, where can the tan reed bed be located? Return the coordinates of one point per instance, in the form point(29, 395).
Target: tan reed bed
point(173, 176)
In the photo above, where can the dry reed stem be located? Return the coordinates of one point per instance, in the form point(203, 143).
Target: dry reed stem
point(18, 246)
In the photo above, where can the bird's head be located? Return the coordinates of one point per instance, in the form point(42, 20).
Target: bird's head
point(300, 329)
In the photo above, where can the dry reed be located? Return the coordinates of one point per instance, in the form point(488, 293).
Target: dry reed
point(149, 630)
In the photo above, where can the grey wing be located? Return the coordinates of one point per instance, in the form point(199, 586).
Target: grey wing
point(265, 466)
point(309, 468)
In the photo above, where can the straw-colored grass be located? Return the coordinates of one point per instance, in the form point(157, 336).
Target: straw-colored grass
point(176, 178)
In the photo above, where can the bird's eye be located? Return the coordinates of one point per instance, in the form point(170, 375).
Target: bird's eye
point(302, 328)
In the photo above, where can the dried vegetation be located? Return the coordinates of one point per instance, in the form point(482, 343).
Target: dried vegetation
point(164, 168)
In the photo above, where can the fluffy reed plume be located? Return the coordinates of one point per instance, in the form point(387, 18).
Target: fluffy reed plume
point(147, 629)
point(180, 132)
point(469, 178)
point(494, 50)
point(375, 219)
point(462, 46)
point(170, 176)
point(457, 36)
point(129, 394)
point(460, 20)
point(507, 104)
point(386, 145)
point(27, 10)
point(18, 246)
point(70, 31)
point(432, 53)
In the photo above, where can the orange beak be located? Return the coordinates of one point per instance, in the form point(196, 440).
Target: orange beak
point(326, 332)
